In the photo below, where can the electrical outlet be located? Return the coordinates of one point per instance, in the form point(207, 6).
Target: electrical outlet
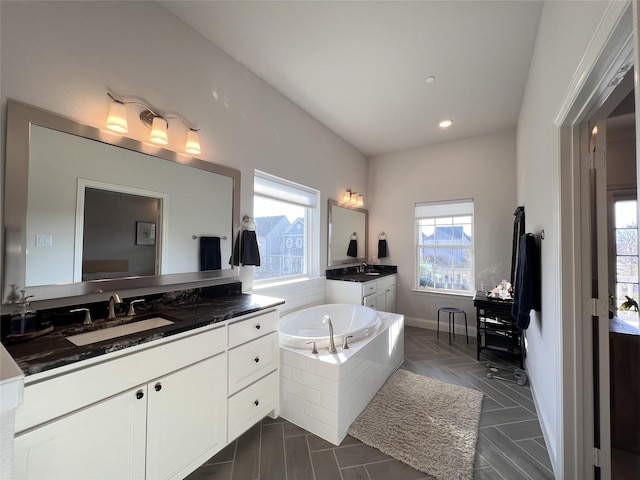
point(44, 240)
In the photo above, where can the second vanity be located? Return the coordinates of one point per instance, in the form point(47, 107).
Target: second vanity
point(154, 405)
point(375, 288)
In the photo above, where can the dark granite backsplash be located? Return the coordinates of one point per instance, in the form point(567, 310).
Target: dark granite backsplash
point(61, 316)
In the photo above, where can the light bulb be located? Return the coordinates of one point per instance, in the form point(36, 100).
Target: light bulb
point(117, 119)
point(360, 201)
point(347, 196)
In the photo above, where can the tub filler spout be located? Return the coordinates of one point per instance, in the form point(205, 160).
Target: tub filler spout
point(332, 344)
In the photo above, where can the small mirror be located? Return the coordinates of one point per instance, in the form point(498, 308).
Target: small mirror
point(348, 229)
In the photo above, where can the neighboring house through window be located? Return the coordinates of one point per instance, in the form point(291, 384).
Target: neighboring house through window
point(444, 246)
point(283, 213)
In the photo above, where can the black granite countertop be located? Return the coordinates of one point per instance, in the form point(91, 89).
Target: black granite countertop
point(352, 274)
point(55, 350)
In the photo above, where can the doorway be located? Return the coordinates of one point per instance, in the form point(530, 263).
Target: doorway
point(584, 274)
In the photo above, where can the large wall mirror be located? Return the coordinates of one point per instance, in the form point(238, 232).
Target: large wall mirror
point(348, 230)
point(87, 211)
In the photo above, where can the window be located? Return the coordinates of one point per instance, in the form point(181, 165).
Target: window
point(444, 246)
point(626, 256)
point(283, 213)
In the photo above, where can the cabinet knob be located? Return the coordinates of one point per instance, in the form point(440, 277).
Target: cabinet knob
point(257, 359)
point(158, 386)
point(139, 394)
point(257, 326)
point(256, 402)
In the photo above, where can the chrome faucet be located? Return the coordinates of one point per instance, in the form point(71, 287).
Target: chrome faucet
point(332, 345)
point(364, 268)
point(115, 298)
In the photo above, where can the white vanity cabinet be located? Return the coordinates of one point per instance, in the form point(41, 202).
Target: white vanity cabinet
point(379, 294)
point(155, 411)
point(132, 435)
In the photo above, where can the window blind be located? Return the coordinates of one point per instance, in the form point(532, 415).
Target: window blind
point(444, 209)
point(283, 190)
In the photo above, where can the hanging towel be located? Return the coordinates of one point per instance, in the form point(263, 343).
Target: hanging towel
point(210, 257)
point(527, 294)
point(246, 250)
point(382, 248)
point(352, 250)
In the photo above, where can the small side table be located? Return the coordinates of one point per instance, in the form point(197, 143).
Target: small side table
point(451, 312)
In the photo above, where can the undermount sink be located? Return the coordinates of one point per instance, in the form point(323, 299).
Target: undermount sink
point(94, 336)
point(372, 273)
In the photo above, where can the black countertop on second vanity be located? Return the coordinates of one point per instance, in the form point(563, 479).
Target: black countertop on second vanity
point(351, 274)
point(55, 350)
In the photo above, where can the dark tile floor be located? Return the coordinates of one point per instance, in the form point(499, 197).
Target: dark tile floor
point(510, 443)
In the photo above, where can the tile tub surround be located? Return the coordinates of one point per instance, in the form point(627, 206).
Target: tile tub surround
point(324, 393)
point(53, 350)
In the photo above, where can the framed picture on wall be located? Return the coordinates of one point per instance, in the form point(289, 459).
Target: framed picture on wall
point(145, 233)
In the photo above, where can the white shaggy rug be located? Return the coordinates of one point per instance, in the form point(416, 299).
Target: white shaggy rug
point(430, 425)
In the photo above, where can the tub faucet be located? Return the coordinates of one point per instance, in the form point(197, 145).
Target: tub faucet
point(115, 298)
point(332, 345)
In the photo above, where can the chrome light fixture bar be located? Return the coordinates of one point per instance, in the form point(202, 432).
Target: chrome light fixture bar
point(159, 124)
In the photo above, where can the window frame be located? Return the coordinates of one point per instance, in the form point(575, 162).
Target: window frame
point(438, 210)
point(621, 195)
point(271, 187)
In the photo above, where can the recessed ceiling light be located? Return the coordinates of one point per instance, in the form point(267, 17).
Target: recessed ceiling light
point(446, 123)
point(430, 79)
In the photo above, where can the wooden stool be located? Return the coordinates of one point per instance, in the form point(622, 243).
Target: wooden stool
point(451, 311)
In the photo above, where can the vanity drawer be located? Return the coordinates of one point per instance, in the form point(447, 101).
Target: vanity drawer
point(251, 405)
point(369, 288)
point(386, 282)
point(249, 362)
point(252, 328)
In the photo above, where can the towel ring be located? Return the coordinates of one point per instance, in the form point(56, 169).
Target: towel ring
point(248, 223)
point(382, 236)
point(354, 236)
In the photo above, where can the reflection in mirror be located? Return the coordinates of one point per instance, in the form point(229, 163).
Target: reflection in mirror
point(85, 207)
point(119, 235)
point(348, 229)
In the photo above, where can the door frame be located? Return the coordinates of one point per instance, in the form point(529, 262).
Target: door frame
point(614, 44)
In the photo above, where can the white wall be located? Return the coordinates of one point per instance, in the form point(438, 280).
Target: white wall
point(64, 56)
point(482, 168)
point(565, 31)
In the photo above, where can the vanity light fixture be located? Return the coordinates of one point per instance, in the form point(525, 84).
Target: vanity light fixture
point(159, 124)
point(352, 198)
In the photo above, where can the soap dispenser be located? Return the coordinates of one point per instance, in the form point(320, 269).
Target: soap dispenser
point(23, 319)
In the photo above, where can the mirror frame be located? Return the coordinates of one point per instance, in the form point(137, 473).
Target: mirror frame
point(20, 117)
point(330, 262)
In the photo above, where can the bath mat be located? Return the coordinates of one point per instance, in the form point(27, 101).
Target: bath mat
point(430, 425)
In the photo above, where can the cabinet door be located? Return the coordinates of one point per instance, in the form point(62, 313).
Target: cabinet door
point(390, 299)
point(103, 441)
point(186, 418)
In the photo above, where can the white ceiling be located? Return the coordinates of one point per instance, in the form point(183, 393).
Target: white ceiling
point(360, 67)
